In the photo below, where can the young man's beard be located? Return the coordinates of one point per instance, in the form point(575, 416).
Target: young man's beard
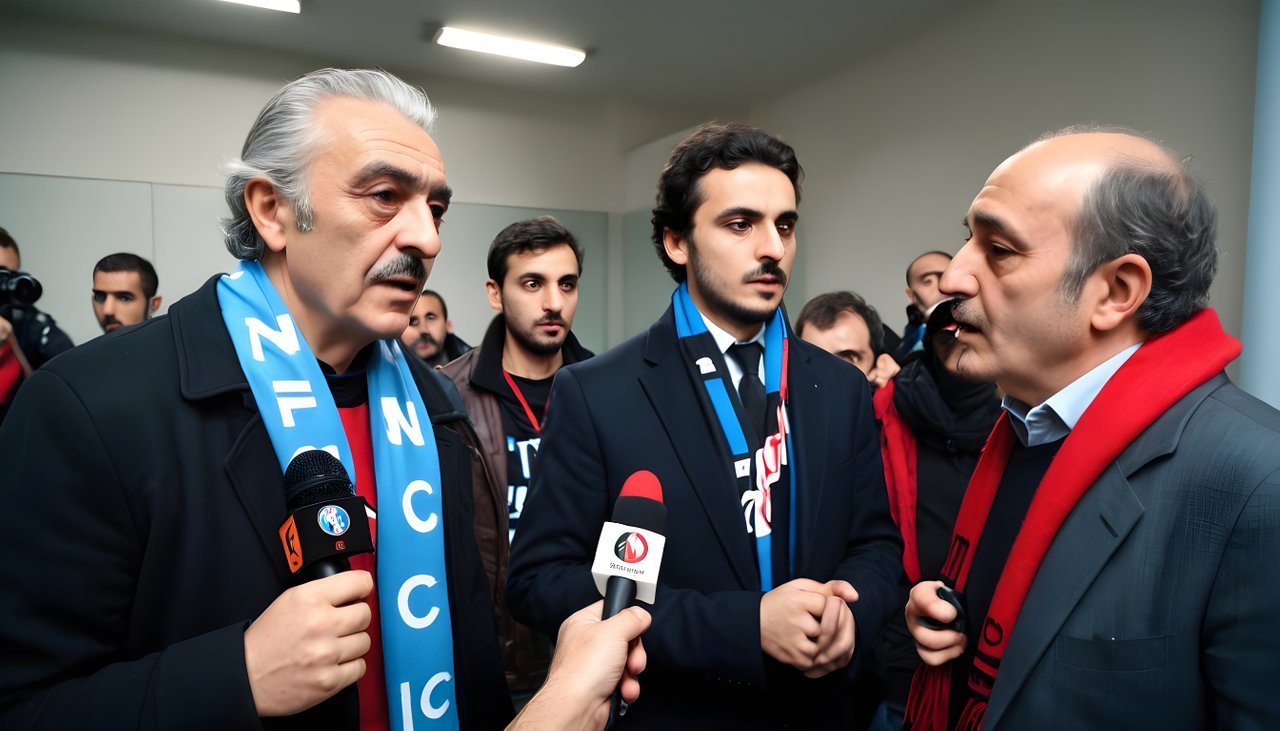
point(528, 339)
point(725, 305)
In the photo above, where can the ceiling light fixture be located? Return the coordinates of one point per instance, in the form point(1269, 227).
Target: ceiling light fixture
point(284, 6)
point(509, 47)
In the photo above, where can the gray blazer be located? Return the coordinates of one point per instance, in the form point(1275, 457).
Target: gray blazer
point(1158, 603)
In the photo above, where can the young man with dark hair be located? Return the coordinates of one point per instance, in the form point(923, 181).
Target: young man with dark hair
point(1115, 551)
point(781, 560)
point(430, 333)
point(534, 271)
point(843, 324)
point(124, 291)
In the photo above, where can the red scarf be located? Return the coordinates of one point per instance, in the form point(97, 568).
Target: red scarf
point(898, 451)
point(1161, 372)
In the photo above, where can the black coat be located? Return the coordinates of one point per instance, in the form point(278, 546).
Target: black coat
point(635, 408)
point(145, 500)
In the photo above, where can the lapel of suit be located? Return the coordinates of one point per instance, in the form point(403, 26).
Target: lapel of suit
point(807, 416)
point(670, 390)
point(208, 368)
point(1090, 535)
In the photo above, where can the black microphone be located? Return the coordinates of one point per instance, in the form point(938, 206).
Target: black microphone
point(327, 520)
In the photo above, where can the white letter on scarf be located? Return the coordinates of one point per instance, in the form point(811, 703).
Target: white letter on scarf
point(402, 601)
point(286, 338)
point(287, 404)
point(398, 424)
point(406, 504)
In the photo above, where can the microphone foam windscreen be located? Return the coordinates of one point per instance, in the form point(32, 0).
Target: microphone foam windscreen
point(315, 476)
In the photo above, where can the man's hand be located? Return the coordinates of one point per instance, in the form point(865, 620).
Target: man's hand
point(935, 646)
point(809, 625)
point(6, 329)
point(309, 644)
point(883, 371)
point(592, 659)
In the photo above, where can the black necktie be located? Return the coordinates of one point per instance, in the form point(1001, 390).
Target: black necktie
point(750, 389)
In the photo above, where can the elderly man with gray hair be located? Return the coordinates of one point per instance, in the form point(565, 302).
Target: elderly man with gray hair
point(164, 585)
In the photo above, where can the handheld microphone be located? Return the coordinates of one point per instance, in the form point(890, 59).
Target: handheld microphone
point(629, 553)
point(327, 521)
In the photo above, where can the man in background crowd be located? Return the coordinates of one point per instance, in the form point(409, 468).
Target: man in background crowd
point(843, 324)
point(923, 274)
point(124, 291)
point(430, 333)
point(933, 423)
point(534, 271)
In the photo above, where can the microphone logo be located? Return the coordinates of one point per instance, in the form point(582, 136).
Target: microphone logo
point(333, 520)
point(631, 547)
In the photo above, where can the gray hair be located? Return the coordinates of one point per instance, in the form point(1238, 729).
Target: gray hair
point(284, 140)
point(1166, 217)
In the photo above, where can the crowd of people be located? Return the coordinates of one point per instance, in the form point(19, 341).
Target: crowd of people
point(1041, 505)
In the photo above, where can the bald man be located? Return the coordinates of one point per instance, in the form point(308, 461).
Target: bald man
point(1115, 552)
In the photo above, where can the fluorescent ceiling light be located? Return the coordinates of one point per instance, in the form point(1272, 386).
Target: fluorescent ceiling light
point(284, 6)
point(510, 47)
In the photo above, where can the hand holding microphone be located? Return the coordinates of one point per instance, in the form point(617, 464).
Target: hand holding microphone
point(311, 641)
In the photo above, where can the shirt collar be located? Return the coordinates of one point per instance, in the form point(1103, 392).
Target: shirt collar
point(724, 340)
point(1057, 416)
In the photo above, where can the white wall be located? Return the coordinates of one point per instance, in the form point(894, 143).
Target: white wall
point(895, 148)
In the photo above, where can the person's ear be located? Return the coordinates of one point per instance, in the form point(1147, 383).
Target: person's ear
point(495, 294)
point(271, 214)
point(155, 305)
point(1116, 290)
point(677, 246)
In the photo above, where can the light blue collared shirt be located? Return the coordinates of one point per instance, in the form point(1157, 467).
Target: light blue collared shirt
point(724, 340)
point(1057, 416)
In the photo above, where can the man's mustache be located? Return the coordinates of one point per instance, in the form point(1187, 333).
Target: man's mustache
point(767, 269)
point(428, 338)
point(401, 266)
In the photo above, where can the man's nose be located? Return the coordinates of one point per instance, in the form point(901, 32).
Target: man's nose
point(554, 299)
point(418, 235)
point(770, 245)
point(957, 279)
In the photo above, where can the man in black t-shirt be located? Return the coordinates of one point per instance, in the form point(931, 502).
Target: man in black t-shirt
point(534, 267)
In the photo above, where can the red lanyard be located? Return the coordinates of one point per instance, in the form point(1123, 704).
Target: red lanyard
point(520, 397)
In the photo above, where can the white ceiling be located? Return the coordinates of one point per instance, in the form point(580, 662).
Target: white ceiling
point(647, 51)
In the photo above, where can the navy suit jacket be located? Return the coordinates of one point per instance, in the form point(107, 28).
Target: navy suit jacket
point(635, 408)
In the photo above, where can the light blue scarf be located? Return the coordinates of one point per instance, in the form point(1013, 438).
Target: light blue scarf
point(299, 413)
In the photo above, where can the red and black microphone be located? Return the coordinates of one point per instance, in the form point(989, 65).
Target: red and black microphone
point(629, 553)
point(327, 521)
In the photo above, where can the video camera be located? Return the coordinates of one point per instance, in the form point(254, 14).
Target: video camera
point(18, 288)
